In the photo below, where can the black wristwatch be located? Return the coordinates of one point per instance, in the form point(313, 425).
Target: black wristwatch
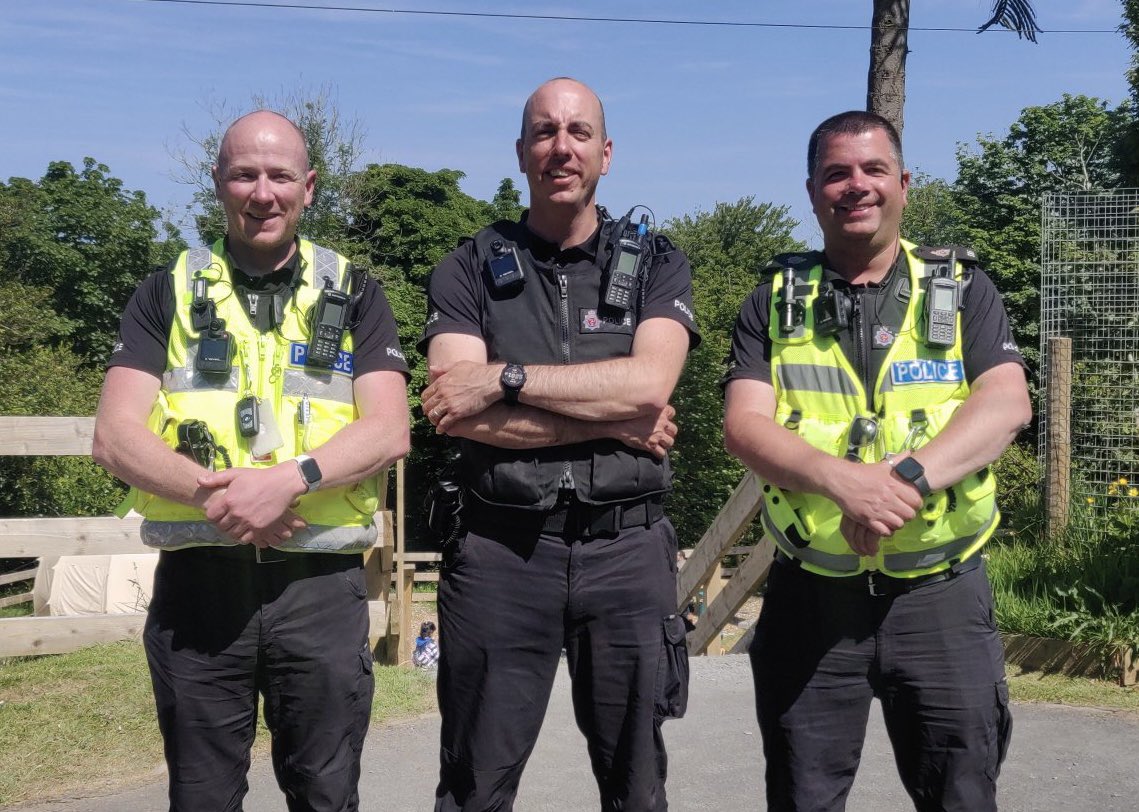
point(913, 472)
point(310, 472)
point(512, 379)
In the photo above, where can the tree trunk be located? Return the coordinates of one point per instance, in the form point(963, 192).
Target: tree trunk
point(886, 81)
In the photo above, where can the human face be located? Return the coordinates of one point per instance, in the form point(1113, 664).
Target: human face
point(264, 185)
point(858, 191)
point(563, 151)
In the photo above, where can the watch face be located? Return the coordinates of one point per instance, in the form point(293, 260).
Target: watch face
point(310, 471)
point(513, 376)
point(909, 469)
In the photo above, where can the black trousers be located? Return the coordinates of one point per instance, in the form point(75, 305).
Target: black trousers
point(223, 629)
point(509, 601)
point(932, 656)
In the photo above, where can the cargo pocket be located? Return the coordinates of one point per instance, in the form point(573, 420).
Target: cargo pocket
point(1002, 735)
point(672, 671)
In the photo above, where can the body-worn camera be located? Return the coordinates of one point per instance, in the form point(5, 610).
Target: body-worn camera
point(215, 350)
point(503, 266)
point(832, 310)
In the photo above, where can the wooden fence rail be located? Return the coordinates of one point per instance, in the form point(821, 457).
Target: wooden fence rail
point(107, 535)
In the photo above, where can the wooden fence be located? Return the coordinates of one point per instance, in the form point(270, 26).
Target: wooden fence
point(389, 610)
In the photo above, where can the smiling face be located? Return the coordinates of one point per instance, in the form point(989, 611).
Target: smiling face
point(563, 150)
point(858, 191)
point(263, 182)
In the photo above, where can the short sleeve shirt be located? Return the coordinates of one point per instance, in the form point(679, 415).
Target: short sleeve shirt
point(458, 290)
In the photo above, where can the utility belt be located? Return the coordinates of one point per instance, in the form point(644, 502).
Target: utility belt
point(572, 518)
point(878, 584)
point(316, 563)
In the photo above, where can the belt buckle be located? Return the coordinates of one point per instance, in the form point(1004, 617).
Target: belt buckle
point(871, 582)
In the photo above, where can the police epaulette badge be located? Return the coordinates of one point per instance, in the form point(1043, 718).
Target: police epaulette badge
point(940, 253)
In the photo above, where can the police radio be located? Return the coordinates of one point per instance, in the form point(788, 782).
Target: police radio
point(215, 350)
point(329, 318)
point(503, 266)
point(941, 300)
point(625, 263)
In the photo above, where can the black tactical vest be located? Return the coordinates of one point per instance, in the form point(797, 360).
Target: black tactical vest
point(554, 318)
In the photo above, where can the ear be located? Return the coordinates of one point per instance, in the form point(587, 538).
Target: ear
point(310, 185)
point(606, 156)
point(518, 152)
point(216, 175)
point(905, 187)
point(810, 191)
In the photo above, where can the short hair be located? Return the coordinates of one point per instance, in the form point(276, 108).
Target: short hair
point(526, 107)
point(852, 122)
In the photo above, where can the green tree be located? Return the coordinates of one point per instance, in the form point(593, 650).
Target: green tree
point(404, 221)
point(507, 201)
point(85, 238)
point(1069, 145)
point(335, 148)
point(932, 216)
point(726, 247)
point(39, 376)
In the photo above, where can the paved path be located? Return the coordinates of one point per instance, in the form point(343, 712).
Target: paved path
point(1061, 759)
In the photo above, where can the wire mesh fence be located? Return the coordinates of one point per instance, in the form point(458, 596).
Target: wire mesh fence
point(1090, 293)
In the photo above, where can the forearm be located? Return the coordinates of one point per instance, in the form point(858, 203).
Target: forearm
point(979, 431)
point(360, 450)
point(143, 461)
point(525, 427)
point(615, 389)
point(778, 455)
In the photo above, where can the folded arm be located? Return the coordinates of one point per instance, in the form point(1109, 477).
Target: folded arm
point(521, 426)
point(614, 389)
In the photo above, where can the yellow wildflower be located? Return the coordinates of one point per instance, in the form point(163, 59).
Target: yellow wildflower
point(1122, 480)
point(1090, 501)
point(1112, 490)
point(1133, 491)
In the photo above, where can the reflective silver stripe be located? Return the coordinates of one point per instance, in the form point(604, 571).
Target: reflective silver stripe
point(924, 559)
point(197, 259)
point(815, 378)
point(314, 538)
point(326, 385)
point(185, 379)
point(325, 267)
point(829, 561)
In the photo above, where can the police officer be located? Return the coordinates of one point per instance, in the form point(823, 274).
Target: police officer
point(870, 386)
point(257, 475)
point(561, 405)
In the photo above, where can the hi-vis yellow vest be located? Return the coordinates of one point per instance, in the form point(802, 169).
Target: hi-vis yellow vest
point(270, 366)
point(819, 394)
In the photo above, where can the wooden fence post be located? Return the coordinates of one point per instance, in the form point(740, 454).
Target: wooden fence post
point(1058, 442)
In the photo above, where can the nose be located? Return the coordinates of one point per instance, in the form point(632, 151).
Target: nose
point(857, 181)
point(561, 145)
point(262, 191)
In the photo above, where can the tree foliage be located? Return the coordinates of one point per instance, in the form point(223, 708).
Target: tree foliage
point(726, 247)
point(1069, 145)
point(82, 236)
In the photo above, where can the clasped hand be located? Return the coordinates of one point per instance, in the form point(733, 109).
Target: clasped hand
point(253, 505)
point(875, 504)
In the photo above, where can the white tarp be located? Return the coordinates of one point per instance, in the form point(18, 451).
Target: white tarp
point(94, 584)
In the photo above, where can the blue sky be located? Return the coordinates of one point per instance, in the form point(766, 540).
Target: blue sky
point(697, 114)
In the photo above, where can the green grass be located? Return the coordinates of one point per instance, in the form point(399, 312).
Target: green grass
point(1030, 686)
point(85, 720)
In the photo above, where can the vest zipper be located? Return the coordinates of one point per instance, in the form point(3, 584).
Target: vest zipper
point(566, 482)
point(860, 346)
